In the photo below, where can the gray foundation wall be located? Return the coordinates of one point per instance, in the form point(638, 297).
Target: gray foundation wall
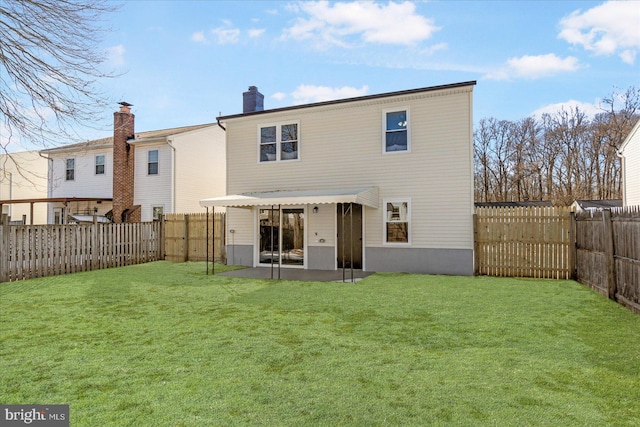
point(240, 255)
point(321, 258)
point(457, 262)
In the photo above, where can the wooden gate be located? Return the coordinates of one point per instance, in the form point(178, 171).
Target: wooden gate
point(186, 237)
point(524, 242)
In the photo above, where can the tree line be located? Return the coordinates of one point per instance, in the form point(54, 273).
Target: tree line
point(561, 156)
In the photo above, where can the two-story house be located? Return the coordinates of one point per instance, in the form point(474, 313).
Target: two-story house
point(630, 154)
point(134, 176)
point(379, 183)
point(23, 179)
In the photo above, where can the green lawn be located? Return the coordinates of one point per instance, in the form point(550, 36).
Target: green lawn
point(162, 344)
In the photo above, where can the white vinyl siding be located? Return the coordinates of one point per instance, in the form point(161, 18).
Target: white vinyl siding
point(200, 168)
point(86, 182)
point(342, 150)
point(631, 172)
point(152, 189)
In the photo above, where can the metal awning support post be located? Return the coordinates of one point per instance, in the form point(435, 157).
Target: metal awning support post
point(213, 241)
point(279, 244)
point(207, 239)
point(342, 241)
point(271, 221)
point(351, 237)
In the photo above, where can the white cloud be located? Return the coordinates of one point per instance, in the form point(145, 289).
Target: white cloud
point(256, 32)
point(199, 37)
point(115, 55)
point(588, 108)
point(226, 34)
point(337, 23)
point(535, 67)
point(305, 94)
point(435, 48)
point(279, 96)
point(610, 28)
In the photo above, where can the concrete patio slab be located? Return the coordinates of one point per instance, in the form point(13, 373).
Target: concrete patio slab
point(298, 274)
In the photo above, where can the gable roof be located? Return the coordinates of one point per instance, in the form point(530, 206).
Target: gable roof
point(108, 141)
point(527, 203)
point(355, 99)
point(599, 204)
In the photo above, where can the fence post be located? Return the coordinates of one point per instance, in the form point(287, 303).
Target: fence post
point(573, 246)
point(4, 254)
point(476, 255)
point(607, 236)
point(185, 244)
point(161, 237)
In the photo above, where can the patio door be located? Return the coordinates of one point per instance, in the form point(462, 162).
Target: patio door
point(281, 236)
point(349, 235)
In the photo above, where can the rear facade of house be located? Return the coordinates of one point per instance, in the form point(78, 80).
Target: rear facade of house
point(379, 183)
point(630, 152)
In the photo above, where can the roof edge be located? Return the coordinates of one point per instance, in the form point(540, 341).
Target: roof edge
point(354, 99)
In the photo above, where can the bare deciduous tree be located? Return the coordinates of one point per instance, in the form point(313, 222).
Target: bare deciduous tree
point(560, 157)
point(49, 68)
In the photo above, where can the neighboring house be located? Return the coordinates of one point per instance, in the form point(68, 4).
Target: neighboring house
point(630, 153)
point(136, 176)
point(595, 205)
point(523, 204)
point(23, 177)
point(379, 183)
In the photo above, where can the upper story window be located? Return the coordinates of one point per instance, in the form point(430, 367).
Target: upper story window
point(397, 221)
point(279, 142)
point(396, 131)
point(100, 164)
point(70, 170)
point(152, 162)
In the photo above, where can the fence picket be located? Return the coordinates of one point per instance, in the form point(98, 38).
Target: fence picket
point(45, 250)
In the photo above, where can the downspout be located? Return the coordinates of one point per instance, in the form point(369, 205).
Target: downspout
point(49, 185)
point(624, 180)
point(173, 178)
point(220, 124)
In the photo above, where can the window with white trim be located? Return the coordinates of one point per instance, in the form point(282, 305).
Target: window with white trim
point(397, 221)
point(100, 164)
point(279, 142)
point(152, 162)
point(157, 212)
point(70, 172)
point(396, 131)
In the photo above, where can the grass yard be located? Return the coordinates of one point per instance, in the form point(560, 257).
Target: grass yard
point(162, 344)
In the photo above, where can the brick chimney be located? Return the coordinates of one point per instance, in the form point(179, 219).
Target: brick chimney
point(123, 166)
point(252, 100)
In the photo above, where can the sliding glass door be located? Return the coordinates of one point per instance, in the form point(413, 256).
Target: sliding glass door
point(281, 236)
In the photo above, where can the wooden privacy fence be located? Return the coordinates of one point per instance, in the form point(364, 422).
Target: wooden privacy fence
point(608, 254)
point(31, 251)
point(524, 242)
point(187, 237)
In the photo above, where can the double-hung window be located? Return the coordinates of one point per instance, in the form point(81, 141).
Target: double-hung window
point(397, 221)
point(396, 131)
point(157, 212)
point(152, 162)
point(70, 170)
point(279, 142)
point(100, 164)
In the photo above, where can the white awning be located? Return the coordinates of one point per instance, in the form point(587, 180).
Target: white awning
point(362, 196)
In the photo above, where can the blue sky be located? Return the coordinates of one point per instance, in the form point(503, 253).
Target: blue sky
point(184, 62)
